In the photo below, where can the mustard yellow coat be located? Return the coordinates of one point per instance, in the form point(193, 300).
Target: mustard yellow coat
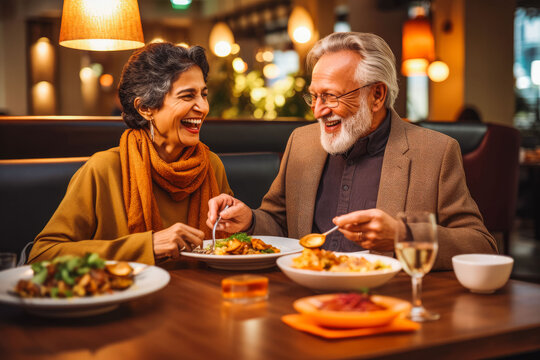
point(92, 217)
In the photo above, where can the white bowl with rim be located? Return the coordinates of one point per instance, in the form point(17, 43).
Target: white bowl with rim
point(340, 281)
point(482, 273)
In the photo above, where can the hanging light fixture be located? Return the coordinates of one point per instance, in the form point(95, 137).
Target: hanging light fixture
point(438, 71)
point(300, 26)
point(101, 25)
point(418, 46)
point(221, 39)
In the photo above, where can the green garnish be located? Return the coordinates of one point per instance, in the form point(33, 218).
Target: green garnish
point(241, 236)
point(67, 267)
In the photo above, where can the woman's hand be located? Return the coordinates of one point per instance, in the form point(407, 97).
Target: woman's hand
point(238, 217)
point(372, 229)
point(168, 243)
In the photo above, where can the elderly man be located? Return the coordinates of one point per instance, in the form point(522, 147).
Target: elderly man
point(361, 164)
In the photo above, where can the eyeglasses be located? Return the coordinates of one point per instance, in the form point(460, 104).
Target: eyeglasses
point(329, 100)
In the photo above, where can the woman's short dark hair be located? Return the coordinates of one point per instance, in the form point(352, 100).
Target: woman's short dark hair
point(150, 73)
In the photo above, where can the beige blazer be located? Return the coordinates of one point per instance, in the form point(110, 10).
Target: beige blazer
point(422, 170)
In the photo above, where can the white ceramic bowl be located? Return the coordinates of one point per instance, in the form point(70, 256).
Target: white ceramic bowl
point(482, 273)
point(340, 281)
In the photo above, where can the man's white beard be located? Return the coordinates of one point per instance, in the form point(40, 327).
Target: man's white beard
point(352, 129)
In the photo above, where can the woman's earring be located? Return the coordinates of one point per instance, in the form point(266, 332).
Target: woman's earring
point(151, 129)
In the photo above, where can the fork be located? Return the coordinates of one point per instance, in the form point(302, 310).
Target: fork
point(201, 250)
point(214, 229)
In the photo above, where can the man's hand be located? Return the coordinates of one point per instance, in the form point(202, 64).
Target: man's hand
point(238, 217)
point(372, 229)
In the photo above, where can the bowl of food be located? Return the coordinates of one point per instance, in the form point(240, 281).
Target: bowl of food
point(482, 273)
point(323, 270)
point(351, 310)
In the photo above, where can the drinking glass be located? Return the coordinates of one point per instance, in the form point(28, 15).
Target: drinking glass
point(7, 260)
point(416, 248)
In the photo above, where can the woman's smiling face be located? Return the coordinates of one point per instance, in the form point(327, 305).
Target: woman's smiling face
point(178, 121)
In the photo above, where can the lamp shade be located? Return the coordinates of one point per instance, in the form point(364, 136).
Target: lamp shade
point(101, 25)
point(417, 43)
point(221, 39)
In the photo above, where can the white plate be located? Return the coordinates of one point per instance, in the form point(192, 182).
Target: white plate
point(249, 262)
point(149, 280)
point(340, 281)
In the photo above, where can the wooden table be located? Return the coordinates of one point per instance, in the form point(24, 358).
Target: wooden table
point(188, 320)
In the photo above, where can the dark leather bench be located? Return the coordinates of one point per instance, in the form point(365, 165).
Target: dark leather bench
point(491, 163)
point(60, 136)
point(32, 189)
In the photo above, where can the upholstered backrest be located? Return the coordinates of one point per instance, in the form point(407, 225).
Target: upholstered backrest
point(31, 190)
point(28, 137)
point(491, 163)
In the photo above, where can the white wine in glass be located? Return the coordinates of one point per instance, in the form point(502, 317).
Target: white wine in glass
point(416, 248)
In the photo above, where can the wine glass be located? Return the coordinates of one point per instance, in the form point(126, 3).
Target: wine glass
point(416, 248)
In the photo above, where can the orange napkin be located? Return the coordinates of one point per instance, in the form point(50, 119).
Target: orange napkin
point(303, 323)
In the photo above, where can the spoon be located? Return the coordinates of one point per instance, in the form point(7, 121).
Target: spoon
point(312, 241)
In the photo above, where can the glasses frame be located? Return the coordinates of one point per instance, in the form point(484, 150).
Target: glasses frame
point(311, 99)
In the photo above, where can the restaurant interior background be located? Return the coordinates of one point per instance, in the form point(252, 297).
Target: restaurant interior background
point(491, 49)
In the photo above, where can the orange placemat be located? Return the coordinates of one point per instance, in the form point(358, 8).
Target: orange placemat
point(303, 323)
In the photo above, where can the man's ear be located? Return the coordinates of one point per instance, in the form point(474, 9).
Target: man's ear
point(145, 111)
point(380, 91)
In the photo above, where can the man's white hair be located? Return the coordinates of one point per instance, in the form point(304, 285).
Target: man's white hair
point(378, 62)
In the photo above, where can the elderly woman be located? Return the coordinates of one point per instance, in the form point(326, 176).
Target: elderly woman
point(146, 200)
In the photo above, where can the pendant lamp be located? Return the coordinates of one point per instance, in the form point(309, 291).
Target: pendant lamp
point(300, 26)
point(101, 25)
point(221, 39)
point(418, 46)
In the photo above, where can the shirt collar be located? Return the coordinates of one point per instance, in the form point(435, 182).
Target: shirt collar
point(373, 143)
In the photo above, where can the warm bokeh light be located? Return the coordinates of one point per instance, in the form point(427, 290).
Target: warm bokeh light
point(239, 65)
point(183, 44)
point(259, 56)
point(43, 98)
point(300, 26)
point(101, 25)
point(86, 74)
point(438, 71)
point(302, 35)
point(414, 67)
point(106, 80)
point(235, 49)
point(221, 39)
point(42, 60)
point(222, 49)
point(268, 56)
point(157, 40)
point(271, 71)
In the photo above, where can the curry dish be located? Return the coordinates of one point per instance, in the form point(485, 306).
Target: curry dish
point(324, 260)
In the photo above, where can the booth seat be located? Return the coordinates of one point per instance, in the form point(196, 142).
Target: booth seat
point(31, 189)
point(491, 162)
point(23, 137)
point(250, 150)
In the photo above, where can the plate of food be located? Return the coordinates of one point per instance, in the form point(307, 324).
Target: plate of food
point(73, 286)
point(324, 270)
point(243, 252)
point(351, 310)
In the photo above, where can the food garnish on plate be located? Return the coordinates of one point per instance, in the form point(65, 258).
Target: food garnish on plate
point(324, 260)
point(68, 276)
point(243, 244)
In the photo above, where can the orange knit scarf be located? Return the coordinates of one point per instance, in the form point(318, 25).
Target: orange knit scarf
point(191, 174)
